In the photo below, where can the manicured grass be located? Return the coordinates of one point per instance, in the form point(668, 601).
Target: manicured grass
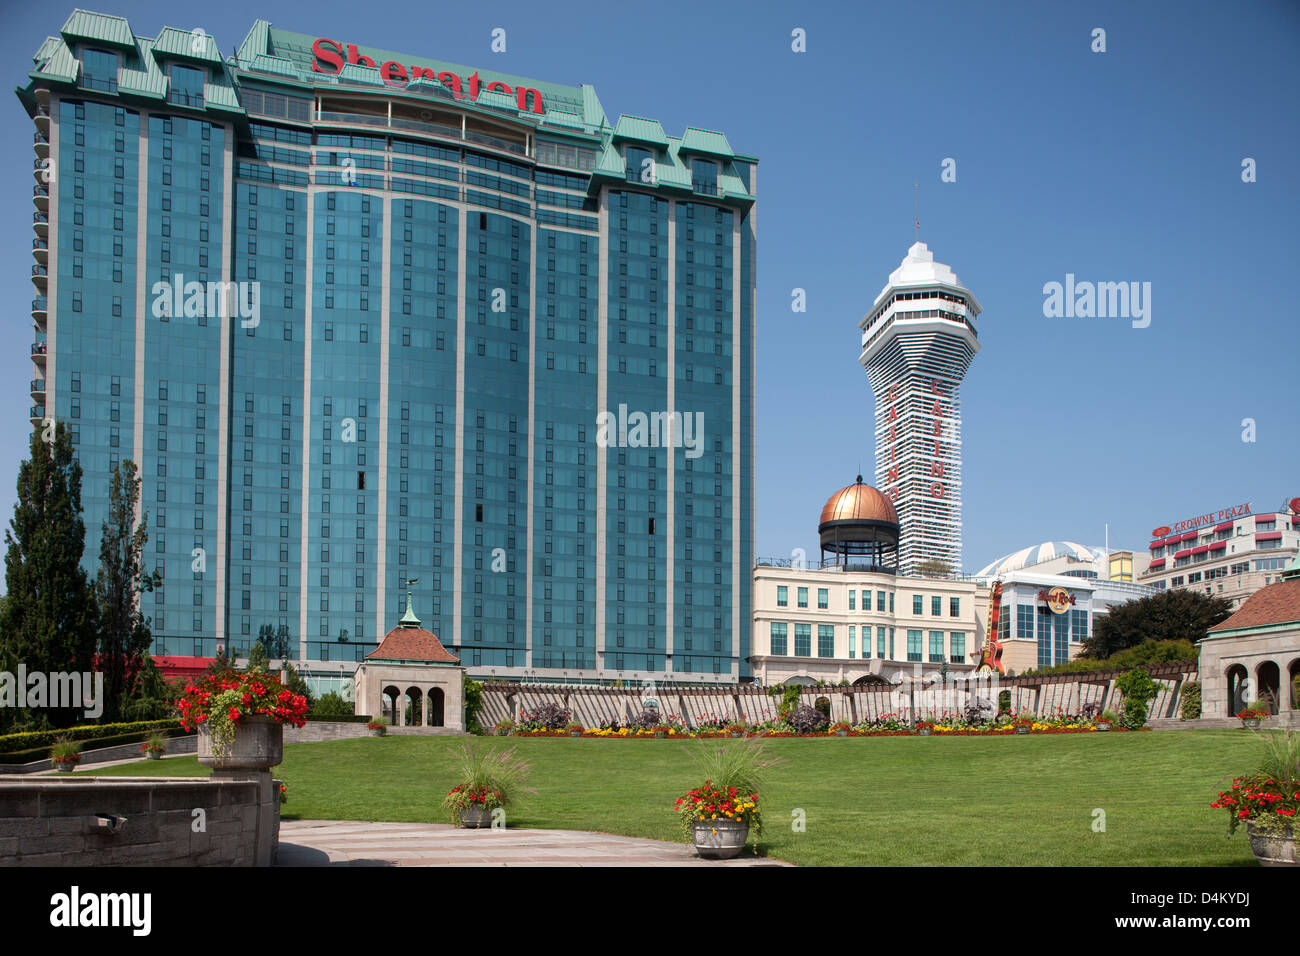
point(891, 801)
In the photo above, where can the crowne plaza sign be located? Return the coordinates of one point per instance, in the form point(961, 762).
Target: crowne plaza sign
point(1200, 521)
point(330, 56)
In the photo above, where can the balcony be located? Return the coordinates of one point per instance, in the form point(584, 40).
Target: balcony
point(41, 250)
point(705, 188)
point(41, 223)
point(433, 129)
point(39, 351)
point(41, 143)
point(185, 98)
point(38, 387)
point(97, 84)
point(42, 116)
point(41, 196)
point(40, 275)
point(39, 308)
point(36, 413)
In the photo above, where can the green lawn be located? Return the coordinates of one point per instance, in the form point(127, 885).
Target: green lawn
point(891, 801)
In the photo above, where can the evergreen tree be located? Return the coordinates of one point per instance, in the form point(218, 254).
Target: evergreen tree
point(123, 630)
point(47, 622)
point(257, 658)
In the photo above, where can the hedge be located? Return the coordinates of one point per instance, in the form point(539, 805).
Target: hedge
point(43, 753)
point(344, 718)
point(36, 739)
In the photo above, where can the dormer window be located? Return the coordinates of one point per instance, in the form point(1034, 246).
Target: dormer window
point(186, 87)
point(704, 176)
point(640, 165)
point(99, 70)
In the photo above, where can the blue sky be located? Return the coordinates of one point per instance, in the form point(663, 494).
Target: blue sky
point(1115, 166)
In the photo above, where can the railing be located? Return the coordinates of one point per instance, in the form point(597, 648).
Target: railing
point(708, 189)
point(38, 386)
point(88, 82)
point(41, 191)
point(40, 244)
point(36, 411)
point(40, 271)
point(38, 348)
point(38, 303)
point(418, 126)
point(39, 137)
point(364, 119)
point(437, 129)
point(40, 217)
point(185, 98)
point(495, 143)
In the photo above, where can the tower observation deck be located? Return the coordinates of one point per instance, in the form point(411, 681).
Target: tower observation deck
point(917, 341)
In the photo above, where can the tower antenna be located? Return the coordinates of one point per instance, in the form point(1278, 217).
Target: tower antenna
point(916, 208)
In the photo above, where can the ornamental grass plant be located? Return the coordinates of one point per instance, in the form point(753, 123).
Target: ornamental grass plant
point(733, 776)
point(487, 779)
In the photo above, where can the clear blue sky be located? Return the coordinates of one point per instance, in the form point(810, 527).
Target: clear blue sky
point(1115, 166)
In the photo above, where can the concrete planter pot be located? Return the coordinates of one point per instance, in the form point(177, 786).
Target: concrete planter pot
point(737, 733)
point(924, 731)
point(378, 732)
point(503, 732)
point(1272, 849)
point(661, 733)
point(575, 733)
point(1103, 725)
point(66, 766)
point(841, 733)
point(1252, 723)
point(1023, 728)
point(719, 839)
point(475, 818)
point(153, 755)
point(258, 745)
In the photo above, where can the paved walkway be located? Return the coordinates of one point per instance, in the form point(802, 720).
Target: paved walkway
point(351, 843)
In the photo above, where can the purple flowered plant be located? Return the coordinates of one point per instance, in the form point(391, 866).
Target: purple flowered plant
point(807, 720)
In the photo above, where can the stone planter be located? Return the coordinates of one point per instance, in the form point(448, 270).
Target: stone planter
point(737, 733)
point(1022, 728)
point(258, 745)
point(1103, 725)
point(575, 733)
point(475, 818)
point(153, 754)
point(503, 732)
point(66, 766)
point(378, 732)
point(924, 731)
point(1252, 723)
point(1272, 849)
point(845, 733)
point(719, 839)
point(661, 733)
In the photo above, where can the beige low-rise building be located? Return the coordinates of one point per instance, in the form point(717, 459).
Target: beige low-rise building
point(411, 670)
point(1255, 653)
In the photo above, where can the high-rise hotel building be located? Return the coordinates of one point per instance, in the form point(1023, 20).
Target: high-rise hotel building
point(917, 342)
point(364, 319)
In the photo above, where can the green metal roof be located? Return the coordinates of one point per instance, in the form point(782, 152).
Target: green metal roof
point(100, 27)
point(61, 65)
point(191, 44)
point(706, 141)
point(642, 130)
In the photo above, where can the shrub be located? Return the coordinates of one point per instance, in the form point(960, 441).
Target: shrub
point(548, 716)
point(808, 720)
point(1004, 702)
point(648, 719)
point(1138, 688)
point(1189, 708)
point(44, 738)
point(732, 779)
point(487, 779)
point(331, 705)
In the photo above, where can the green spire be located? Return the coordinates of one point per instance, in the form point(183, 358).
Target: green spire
point(409, 619)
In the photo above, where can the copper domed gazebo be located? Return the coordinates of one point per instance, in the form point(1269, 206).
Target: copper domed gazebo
point(859, 528)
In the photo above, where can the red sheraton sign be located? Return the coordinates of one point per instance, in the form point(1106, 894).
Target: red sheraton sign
point(330, 56)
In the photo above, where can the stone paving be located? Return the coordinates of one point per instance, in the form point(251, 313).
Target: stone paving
point(354, 843)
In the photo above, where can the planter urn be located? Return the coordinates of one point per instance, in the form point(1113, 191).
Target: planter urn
point(924, 731)
point(65, 766)
point(257, 745)
point(1022, 728)
point(1103, 725)
point(1272, 849)
point(154, 754)
point(1252, 723)
point(737, 733)
point(575, 733)
point(661, 733)
point(475, 818)
point(719, 839)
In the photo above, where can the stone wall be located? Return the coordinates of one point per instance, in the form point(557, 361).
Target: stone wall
point(57, 821)
point(318, 730)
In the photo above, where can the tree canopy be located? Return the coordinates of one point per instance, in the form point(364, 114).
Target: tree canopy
point(1173, 615)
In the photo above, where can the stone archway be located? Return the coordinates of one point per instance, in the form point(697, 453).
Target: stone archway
point(1237, 677)
point(413, 707)
point(437, 707)
point(1293, 674)
point(1268, 684)
point(389, 698)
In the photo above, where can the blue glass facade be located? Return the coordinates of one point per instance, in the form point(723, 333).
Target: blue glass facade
point(424, 305)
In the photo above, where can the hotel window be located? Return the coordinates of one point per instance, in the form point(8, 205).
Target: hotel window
point(779, 646)
point(954, 607)
point(853, 637)
point(823, 598)
point(880, 642)
point(957, 648)
point(782, 595)
point(913, 645)
point(852, 601)
point(916, 604)
point(825, 640)
point(936, 647)
point(936, 605)
point(1078, 626)
point(803, 597)
point(880, 600)
point(803, 640)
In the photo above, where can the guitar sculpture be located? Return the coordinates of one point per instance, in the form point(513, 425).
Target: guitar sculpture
point(991, 653)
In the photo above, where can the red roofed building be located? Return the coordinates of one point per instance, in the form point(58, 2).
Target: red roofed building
point(1255, 654)
point(411, 671)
